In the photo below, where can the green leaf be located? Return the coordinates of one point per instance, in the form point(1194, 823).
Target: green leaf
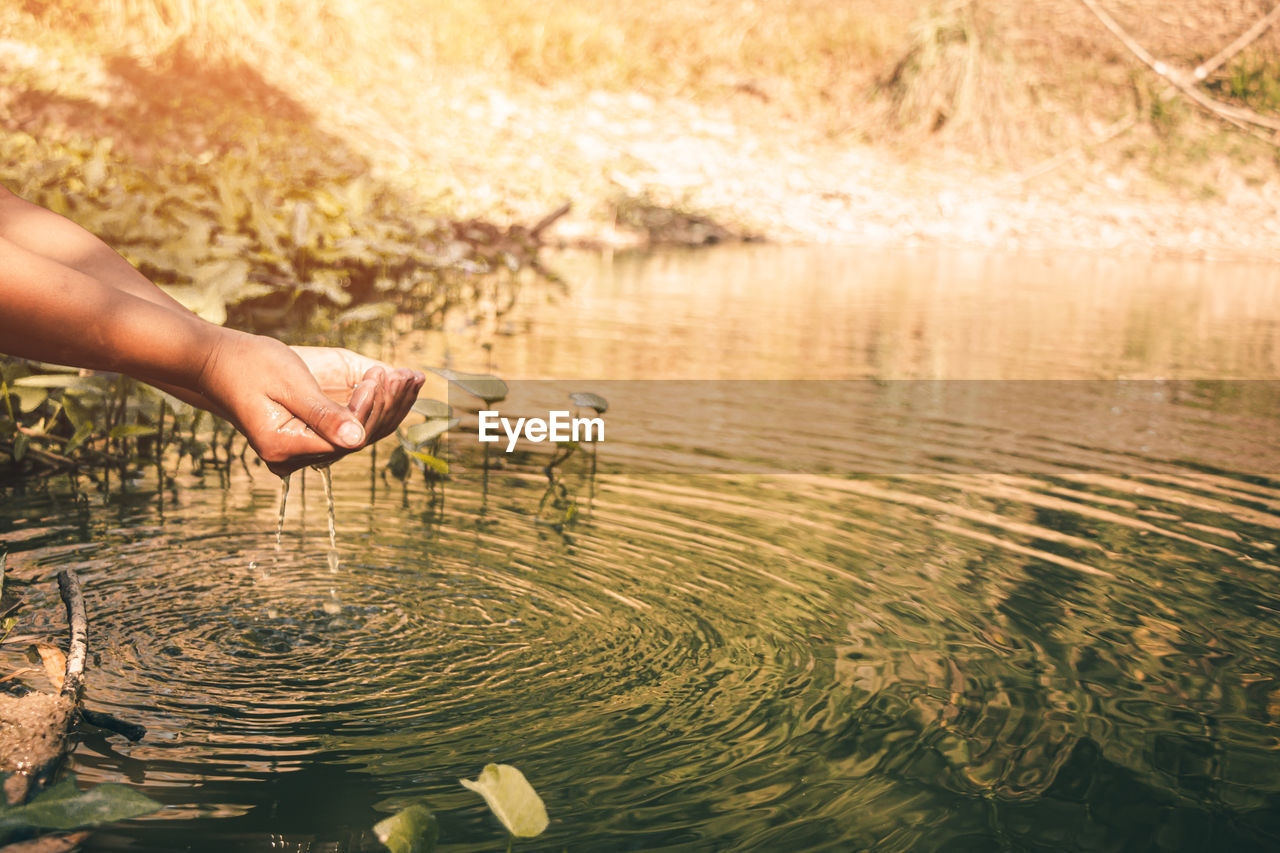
point(413, 830)
point(20, 442)
point(489, 388)
point(59, 380)
point(64, 806)
point(427, 460)
point(78, 437)
point(419, 434)
point(429, 408)
point(588, 400)
point(511, 798)
point(131, 431)
point(29, 399)
point(76, 412)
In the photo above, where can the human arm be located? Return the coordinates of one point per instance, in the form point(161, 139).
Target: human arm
point(65, 297)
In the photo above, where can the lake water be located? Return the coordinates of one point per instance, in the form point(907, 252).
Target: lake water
point(915, 550)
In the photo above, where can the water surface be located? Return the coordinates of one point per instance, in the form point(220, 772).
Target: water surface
point(880, 611)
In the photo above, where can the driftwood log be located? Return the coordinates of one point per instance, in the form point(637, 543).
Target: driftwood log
point(35, 728)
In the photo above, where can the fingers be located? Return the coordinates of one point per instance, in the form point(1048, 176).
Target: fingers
point(378, 403)
point(383, 398)
point(329, 420)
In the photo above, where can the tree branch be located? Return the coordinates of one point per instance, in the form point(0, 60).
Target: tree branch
point(1248, 37)
point(73, 598)
point(1237, 116)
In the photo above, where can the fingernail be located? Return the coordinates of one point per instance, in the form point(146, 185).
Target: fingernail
point(350, 434)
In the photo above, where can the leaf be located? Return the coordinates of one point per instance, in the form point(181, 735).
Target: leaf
point(588, 400)
point(131, 431)
point(412, 830)
point(76, 412)
point(489, 388)
point(331, 284)
point(29, 399)
point(367, 313)
point(429, 408)
point(427, 460)
point(55, 663)
point(20, 442)
point(511, 798)
point(398, 464)
point(63, 806)
point(58, 380)
point(78, 437)
point(419, 434)
point(208, 304)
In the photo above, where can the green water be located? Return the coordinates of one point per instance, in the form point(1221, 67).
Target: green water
point(889, 615)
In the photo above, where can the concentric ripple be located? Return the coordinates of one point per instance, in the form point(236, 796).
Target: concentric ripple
point(702, 661)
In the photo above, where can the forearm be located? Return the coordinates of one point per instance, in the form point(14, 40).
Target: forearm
point(52, 312)
point(57, 238)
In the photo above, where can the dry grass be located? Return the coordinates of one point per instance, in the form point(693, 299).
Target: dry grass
point(472, 103)
point(989, 74)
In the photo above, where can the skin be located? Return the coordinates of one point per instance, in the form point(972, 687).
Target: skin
point(67, 298)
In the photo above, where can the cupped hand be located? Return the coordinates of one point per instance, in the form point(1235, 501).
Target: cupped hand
point(380, 396)
point(304, 405)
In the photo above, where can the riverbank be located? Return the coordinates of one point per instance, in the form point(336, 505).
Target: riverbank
point(642, 169)
point(884, 124)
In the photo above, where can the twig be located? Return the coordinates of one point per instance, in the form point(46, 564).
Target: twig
point(1048, 165)
point(1240, 117)
point(547, 221)
point(73, 598)
point(1248, 37)
point(112, 723)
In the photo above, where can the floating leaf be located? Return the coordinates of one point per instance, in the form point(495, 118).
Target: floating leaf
point(429, 408)
point(511, 798)
point(489, 388)
point(588, 400)
point(63, 806)
point(413, 830)
point(419, 434)
point(55, 663)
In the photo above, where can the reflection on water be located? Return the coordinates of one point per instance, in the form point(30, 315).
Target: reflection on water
point(1047, 625)
point(763, 312)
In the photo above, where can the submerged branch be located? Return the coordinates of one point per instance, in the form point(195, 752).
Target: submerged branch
point(78, 621)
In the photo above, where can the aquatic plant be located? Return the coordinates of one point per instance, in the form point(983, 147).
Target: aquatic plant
point(64, 807)
point(505, 789)
point(411, 830)
point(487, 387)
point(419, 444)
point(511, 798)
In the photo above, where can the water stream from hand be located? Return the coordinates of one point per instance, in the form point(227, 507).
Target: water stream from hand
point(326, 477)
point(284, 500)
